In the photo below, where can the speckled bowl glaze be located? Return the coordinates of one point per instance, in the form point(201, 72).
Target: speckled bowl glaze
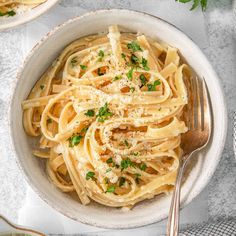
point(18, 19)
point(41, 57)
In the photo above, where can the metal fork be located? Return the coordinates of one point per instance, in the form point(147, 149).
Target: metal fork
point(198, 118)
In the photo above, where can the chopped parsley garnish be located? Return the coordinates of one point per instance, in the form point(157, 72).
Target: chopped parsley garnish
point(110, 160)
point(101, 55)
point(126, 143)
point(134, 59)
point(121, 181)
point(90, 113)
point(137, 180)
point(125, 163)
point(130, 74)
point(144, 64)
point(83, 67)
point(143, 79)
point(8, 13)
point(132, 89)
point(42, 86)
point(134, 46)
point(73, 61)
point(84, 130)
point(123, 56)
point(143, 166)
point(90, 175)
point(104, 113)
point(108, 170)
point(152, 87)
point(75, 140)
point(117, 77)
point(135, 153)
point(111, 189)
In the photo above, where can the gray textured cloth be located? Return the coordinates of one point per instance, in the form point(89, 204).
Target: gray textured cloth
point(219, 228)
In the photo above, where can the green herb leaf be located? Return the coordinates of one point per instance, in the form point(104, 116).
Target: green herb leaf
point(117, 77)
point(195, 4)
point(125, 163)
point(42, 86)
point(90, 175)
point(8, 13)
point(121, 181)
point(134, 59)
point(84, 130)
point(108, 170)
point(83, 67)
point(152, 87)
point(111, 189)
point(143, 167)
point(134, 46)
point(90, 113)
point(143, 79)
point(144, 64)
point(104, 113)
point(204, 4)
point(101, 54)
point(130, 74)
point(126, 143)
point(137, 180)
point(132, 89)
point(110, 160)
point(75, 140)
point(123, 56)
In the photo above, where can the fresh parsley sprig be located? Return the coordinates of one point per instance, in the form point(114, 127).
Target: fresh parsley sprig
point(196, 3)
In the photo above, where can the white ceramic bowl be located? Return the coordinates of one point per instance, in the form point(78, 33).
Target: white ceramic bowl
point(18, 19)
point(42, 56)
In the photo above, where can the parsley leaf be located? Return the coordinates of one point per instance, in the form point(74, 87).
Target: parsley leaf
point(90, 175)
point(111, 189)
point(152, 87)
point(143, 166)
point(75, 140)
point(125, 163)
point(110, 160)
point(130, 74)
point(121, 181)
point(101, 54)
point(132, 89)
point(126, 143)
point(134, 46)
point(103, 113)
point(137, 180)
point(134, 59)
point(144, 64)
point(42, 86)
point(90, 113)
point(49, 120)
point(83, 67)
point(8, 13)
point(117, 77)
point(143, 79)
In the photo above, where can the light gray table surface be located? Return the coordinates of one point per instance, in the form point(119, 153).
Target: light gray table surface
point(220, 51)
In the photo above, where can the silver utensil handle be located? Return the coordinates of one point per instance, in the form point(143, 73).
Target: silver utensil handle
point(173, 220)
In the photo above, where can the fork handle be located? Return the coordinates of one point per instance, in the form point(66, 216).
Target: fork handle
point(173, 220)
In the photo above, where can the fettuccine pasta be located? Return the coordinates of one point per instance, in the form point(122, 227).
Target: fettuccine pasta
point(109, 114)
point(10, 7)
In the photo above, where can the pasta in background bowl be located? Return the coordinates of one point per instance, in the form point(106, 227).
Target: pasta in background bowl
point(16, 12)
point(114, 105)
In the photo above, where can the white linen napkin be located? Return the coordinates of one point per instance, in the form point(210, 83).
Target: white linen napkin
point(35, 213)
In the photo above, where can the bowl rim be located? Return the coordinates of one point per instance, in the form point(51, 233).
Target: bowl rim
point(21, 21)
point(93, 222)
